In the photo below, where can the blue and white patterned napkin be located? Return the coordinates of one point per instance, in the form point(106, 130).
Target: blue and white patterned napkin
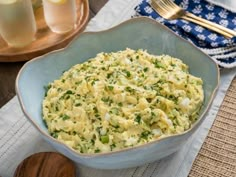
point(221, 49)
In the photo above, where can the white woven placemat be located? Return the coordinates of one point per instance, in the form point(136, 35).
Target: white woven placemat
point(19, 139)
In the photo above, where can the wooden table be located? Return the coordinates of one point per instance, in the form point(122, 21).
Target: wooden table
point(9, 71)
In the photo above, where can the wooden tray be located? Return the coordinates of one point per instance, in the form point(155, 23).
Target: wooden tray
point(46, 40)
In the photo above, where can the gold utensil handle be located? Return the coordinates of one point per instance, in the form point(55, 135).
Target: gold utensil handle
point(218, 30)
point(212, 25)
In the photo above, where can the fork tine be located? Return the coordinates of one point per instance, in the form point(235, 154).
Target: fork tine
point(171, 3)
point(171, 6)
point(163, 9)
point(159, 9)
point(161, 5)
point(164, 5)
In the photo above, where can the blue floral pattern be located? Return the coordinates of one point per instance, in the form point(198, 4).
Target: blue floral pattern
point(198, 35)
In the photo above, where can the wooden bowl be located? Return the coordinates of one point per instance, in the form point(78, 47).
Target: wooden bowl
point(46, 40)
point(46, 164)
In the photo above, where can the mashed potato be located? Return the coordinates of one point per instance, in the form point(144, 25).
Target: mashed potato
point(122, 99)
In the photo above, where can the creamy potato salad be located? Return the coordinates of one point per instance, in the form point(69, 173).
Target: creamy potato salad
point(122, 99)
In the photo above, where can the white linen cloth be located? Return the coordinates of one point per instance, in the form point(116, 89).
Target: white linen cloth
point(227, 4)
point(19, 139)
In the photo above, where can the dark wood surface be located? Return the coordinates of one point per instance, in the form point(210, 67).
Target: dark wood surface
point(9, 71)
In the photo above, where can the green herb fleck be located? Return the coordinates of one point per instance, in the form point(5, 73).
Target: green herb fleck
point(78, 104)
point(54, 134)
point(158, 64)
point(110, 87)
point(153, 114)
point(104, 99)
point(78, 83)
point(109, 75)
point(93, 82)
point(128, 74)
point(92, 141)
point(149, 100)
point(56, 108)
point(95, 109)
point(114, 110)
point(69, 92)
point(107, 100)
point(120, 104)
point(45, 123)
point(138, 119)
point(146, 69)
point(97, 115)
point(145, 134)
point(104, 139)
point(116, 126)
point(98, 129)
point(46, 88)
point(129, 89)
point(97, 150)
point(112, 146)
point(65, 117)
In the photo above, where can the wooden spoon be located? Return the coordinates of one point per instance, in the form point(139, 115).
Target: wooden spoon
point(46, 164)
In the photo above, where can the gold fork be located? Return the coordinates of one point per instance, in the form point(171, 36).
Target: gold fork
point(169, 10)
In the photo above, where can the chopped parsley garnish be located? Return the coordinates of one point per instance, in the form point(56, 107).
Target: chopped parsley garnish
point(128, 74)
point(65, 117)
point(145, 134)
point(107, 100)
point(112, 146)
point(109, 75)
point(114, 110)
point(54, 134)
point(78, 104)
point(138, 119)
point(46, 88)
point(120, 104)
point(129, 89)
point(146, 69)
point(110, 87)
point(97, 150)
point(78, 83)
point(69, 92)
point(158, 64)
